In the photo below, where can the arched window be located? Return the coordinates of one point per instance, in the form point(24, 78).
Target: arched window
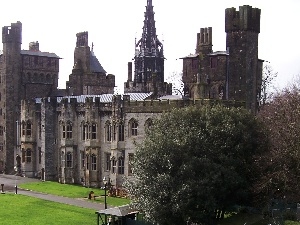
point(121, 131)
point(28, 155)
point(93, 162)
point(133, 127)
point(94, 131)
point(148, 124)
point(121, 165)
point(108, 131)
point(69, 159)
point(67, 130)
point(28, 128)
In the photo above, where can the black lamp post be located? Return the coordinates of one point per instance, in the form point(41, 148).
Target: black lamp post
point(105, 182)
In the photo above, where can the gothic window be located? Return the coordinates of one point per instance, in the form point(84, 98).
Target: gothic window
point(67, 131)
point(87, 162)
point(28, 128)
point(121, 132)
point(1, 130)
point(130, 161)
point(133, 127)
point(107, 158)
point(64, 132)
point(88, 132)
point(148, 124)
point(69, 159)
point(28, 155)
point(82, 159)
point(83, 126)
point(114, 165)
point(40, 154)
point(108, 131)
point(121, 165)
point(94, 131)
point(114, 132)
point(93, 162)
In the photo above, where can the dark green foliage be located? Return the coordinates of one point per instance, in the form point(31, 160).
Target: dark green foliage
point(196, 163)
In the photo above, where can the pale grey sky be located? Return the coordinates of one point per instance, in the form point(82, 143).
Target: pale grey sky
point(113, 26)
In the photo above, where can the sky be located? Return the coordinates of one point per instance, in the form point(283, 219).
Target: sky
point(113, 26)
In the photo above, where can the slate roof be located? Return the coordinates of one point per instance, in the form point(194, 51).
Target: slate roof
point(38, 53)
point(105, 98)
point(118, 211)
point(95, 64)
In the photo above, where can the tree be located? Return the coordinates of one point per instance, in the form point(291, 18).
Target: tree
point(195, 163)
point(281, 165)
point(268, 78)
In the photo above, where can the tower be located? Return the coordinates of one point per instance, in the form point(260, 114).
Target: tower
point(148, 60)
point(242, 28)
point(10, 96)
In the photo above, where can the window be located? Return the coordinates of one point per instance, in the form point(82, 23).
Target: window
point(107, 157)
point(94, 131)
point(40, 154)
point(69, 160)
point(83, 131)
point(28, 128)
point(108, 131)
point(82, 159)
point(148, 124)
point(1, 130)
point(88, 132)
point(93, 162)
point(130, 161)
point(121, 165)
point(114, 165)
point(114, 132)
point(133, 127)
point(121, 132)
point(64, 132)
point(87, 162)
point(28, 155)
point(69, 131)
point(1, 147)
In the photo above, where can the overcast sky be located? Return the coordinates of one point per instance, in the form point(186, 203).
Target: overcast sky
point(113, 26)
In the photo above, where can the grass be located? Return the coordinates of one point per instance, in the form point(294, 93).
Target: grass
point(72, 191)
point(24, 210)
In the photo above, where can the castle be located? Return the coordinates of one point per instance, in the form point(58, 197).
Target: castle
point(84, 132)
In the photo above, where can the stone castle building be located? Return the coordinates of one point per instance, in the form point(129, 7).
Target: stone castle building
point(85, 133)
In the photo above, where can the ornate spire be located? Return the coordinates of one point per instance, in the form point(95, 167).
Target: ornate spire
point(149, 56)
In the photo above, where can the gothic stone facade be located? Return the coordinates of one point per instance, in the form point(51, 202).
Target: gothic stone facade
point(89, 133)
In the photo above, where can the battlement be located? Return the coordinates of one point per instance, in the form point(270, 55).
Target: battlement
point(246, 19)
point(12, 33)
point(82, 39)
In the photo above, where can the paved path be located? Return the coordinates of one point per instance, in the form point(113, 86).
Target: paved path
point(10, 181)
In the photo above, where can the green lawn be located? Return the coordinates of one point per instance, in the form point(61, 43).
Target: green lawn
point(72, 191)
point(24, 210)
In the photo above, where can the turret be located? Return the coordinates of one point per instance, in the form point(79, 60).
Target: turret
point(242, 28)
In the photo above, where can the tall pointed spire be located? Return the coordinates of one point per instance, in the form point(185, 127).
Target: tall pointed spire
point(149, 57)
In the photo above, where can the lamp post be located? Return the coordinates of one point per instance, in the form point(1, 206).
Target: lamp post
point(105, 181)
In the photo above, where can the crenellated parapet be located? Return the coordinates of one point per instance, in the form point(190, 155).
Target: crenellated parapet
point(12, 33)
point(246, 19)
